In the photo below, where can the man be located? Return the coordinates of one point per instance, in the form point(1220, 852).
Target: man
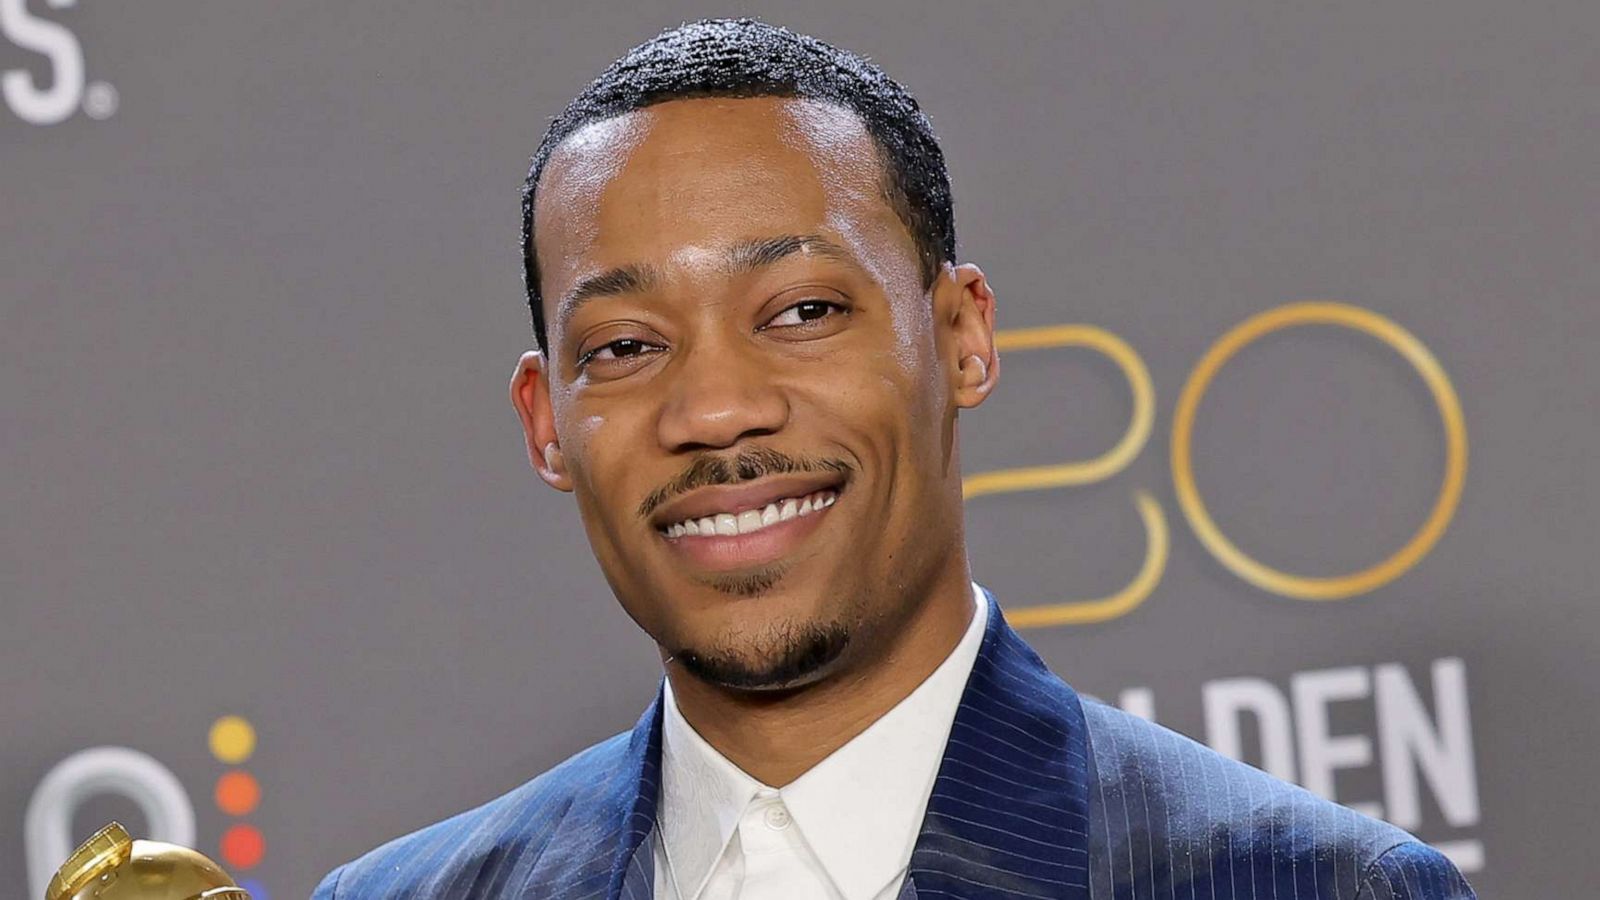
point(754, 345)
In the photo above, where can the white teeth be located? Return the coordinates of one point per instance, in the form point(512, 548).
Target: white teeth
point(729, 524)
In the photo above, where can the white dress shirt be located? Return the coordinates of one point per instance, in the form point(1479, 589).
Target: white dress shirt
point(844, 830)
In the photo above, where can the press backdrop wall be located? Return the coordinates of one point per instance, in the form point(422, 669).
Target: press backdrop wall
point(261, 300)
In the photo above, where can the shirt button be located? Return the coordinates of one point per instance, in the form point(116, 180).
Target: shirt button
point(777, 818)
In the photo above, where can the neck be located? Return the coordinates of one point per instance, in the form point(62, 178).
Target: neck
point(776, 738)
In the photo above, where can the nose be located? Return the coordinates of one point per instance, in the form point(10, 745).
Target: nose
point(719, 395)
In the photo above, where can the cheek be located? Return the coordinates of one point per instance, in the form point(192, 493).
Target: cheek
point(583, 444)
point(886, 411)
point(601, 450)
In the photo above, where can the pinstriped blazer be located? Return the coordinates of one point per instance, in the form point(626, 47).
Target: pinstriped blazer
point(1040, 794)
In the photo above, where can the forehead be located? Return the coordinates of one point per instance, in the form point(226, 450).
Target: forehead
point(687, 178)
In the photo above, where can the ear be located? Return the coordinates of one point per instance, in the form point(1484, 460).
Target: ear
point(530, 394)
point(970, 319)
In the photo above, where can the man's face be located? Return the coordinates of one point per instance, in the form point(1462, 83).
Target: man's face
point(747, 387)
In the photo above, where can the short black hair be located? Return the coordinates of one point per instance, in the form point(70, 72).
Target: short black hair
point(748, 58)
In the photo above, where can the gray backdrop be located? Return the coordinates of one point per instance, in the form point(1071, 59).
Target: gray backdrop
point(261, 300)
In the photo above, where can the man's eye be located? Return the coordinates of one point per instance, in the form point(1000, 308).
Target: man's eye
point(620, 349)
point(805, 311)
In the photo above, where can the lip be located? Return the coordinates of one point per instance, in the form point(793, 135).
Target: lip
point(708, 501)
point(731, 552)
point(716, 552)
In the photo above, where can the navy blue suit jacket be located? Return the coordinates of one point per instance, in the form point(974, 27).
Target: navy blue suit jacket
point(1040, 795)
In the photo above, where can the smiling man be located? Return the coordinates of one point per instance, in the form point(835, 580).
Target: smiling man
point(754, 343)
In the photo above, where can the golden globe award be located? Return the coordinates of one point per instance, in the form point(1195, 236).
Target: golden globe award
point(111, 865)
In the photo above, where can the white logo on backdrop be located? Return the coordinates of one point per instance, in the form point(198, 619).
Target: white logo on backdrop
point(67, 88)
point(1294, 740)
point(47, 826)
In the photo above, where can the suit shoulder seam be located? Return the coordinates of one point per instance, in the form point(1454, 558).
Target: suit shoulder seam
point(1366, 874)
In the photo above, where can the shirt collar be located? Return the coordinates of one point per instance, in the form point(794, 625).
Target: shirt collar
point(860, 809)
point(702, 796)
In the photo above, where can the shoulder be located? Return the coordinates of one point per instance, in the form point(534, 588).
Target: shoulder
point(500, 844)
point(1166, 811)
point(1413, 871)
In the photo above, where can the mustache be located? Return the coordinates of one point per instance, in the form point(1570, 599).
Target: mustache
point(747, 465)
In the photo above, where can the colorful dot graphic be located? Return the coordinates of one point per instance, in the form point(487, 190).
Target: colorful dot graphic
point(238, 793)
point(233, 740)
point(243, 846)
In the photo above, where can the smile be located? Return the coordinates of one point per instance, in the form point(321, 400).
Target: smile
point(733, 527)
point(748, 521)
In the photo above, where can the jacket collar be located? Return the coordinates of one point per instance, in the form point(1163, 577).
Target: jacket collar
point(1009, 813)
point(632, 862)
point(1009, 809)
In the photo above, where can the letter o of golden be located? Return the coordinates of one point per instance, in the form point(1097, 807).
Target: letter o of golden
point(1402, 342)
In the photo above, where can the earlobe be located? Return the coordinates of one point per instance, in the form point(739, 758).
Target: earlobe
point(554, 471)
point(975, 382)
point(974, 371)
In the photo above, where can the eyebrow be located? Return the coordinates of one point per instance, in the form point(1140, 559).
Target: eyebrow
point(740, 259)
point(631, 279)
point(748, 256)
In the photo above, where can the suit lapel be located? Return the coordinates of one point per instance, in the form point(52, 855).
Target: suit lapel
point(1009, 810)
point(632, 875)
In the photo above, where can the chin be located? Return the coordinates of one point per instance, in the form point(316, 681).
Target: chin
point(779, 656)
point(767, 630)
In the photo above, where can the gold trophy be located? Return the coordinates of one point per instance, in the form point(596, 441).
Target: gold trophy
point(113, 866)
